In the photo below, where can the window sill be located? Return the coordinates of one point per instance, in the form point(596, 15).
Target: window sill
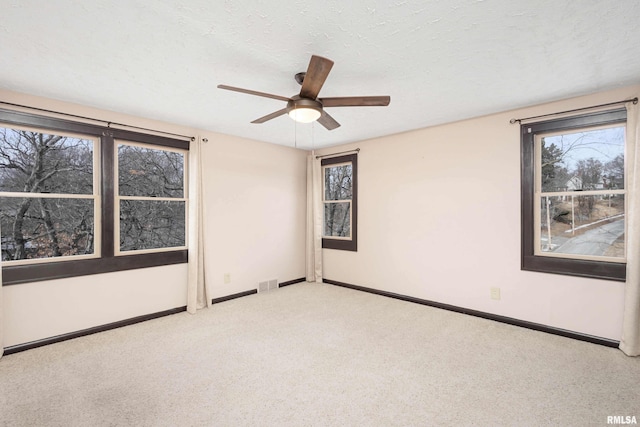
point(344, 245)
point(572, 267)
point(17, 274)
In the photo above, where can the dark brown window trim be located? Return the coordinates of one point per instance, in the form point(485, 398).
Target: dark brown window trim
point(18, 274)
point(346, 245)
point(108, 262)
point(529, 261)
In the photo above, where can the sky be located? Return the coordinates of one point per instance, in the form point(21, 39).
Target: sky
point(602, 144)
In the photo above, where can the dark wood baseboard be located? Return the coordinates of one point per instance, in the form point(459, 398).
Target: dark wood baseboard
point(234, 296)
point(126, 322)
point(254, 291)
point(292, 282)
point(503, 319)
point(64, 337)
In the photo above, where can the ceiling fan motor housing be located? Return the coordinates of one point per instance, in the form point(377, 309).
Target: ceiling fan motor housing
point(297, 102)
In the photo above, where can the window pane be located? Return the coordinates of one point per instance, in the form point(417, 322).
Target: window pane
point(150, 172)
point(337, 219)
point(583, 225)
point(37, 162)
point(587, 160)
point(337, 182)
point(45, 228)
point(148, 224)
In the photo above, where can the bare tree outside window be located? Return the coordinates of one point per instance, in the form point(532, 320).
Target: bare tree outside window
point(62, 196)
point(48, 201)
point(47, 197)
point(340, 202)
point(150, 172)
point(152, 198)
point(338, 192)
point(148, 224)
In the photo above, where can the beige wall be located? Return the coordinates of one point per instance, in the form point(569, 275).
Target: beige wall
point(439, 219)
point(254, 200)
point(38, 310)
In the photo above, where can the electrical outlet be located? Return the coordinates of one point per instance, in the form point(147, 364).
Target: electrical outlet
point(227, 278)
point(495, 293)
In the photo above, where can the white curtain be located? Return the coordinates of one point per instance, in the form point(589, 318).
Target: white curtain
point(197, 288)
point(1, 324)
point(630, 341)
point(314, 220)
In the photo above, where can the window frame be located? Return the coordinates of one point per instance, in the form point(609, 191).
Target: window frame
point(108, 261)
point(342, 243)
point(94, 196)
point(567, 266)
point(119, 198)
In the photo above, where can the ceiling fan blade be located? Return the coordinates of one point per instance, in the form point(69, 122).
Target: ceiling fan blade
point(254, 92)
point(270, 116)
point(356, 101)
point(328, 121)
point(317, 73)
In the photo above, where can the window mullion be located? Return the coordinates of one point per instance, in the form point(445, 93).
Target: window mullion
point(46, 195)
point(152, 198)
point(580, 193)
point(108, 174)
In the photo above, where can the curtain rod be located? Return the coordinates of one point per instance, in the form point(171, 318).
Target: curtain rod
point(97, 120)
point(356, 150)
point(634, 100)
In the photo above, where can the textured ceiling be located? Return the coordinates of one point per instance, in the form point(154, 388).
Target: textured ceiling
point(440, 61)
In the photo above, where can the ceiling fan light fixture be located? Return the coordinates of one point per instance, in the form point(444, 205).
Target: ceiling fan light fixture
point(304, 110)
point(304, 114)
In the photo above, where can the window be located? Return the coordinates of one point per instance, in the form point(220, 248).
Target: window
point(573, 195)
point(340, 202)
point(79, 199)
point(151, 198)
point(48, 195)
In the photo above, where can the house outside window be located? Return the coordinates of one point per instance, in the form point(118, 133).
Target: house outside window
point(573, 195)
point(340, 202)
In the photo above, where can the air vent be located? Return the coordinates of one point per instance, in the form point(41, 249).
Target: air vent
point(268, 285)
point(263, 286)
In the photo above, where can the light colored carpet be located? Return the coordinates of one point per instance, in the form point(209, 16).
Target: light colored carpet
point(318, 355)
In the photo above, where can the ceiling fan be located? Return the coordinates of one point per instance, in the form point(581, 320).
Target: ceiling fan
point(306, 107)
